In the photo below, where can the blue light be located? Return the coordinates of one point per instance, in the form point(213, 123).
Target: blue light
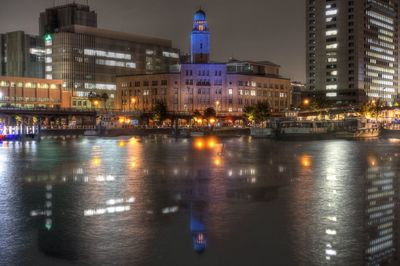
point(200, 15)
point(200, 38)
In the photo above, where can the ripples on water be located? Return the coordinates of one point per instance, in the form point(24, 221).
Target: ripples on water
point(160, 201)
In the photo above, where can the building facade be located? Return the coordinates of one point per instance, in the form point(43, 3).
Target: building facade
point(88, 59)
point(226, 87)
point(33, 92)
point(200, 86)
point(21, 55)
point(352, 49)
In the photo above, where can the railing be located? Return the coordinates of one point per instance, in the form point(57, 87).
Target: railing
point(28, 99)
point(64, 128)
point(54, 109)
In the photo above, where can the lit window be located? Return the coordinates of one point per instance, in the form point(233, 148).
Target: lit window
point(331, 87)
point(332, 46)
point(331, 32)
point(331, 12)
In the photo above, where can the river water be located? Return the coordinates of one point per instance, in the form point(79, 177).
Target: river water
point(161, 201)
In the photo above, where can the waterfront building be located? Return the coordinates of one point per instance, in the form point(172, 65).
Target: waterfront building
point(352, 49)
point(200, 84)
point(21, 55)
point(88, 59)
point(33, 92)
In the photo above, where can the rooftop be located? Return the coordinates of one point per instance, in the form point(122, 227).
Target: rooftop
point(116, 35)
point(260, 63)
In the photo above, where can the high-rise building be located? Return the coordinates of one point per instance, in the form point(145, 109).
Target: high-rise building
point(88, 59)
point(352, 49)
point(21, 55)
point(54, 19)
point(200, 84)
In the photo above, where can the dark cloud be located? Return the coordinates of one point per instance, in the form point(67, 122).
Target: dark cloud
point(252, 29)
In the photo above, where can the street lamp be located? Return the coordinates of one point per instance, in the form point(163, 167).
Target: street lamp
point(217, 103)
point(133, 101)
point(306, 102)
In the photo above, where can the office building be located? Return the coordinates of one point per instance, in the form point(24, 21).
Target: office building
point(200, 84)
point(21, 55)
point(88, 59)
point(352, 49)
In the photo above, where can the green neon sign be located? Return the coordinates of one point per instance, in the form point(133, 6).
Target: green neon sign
point(48, 37)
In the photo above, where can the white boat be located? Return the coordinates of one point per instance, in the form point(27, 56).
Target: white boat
point(391, 131)
point(304, 130)
point(261, 132)
point(356, 128)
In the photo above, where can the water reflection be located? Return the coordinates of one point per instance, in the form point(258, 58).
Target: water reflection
point(381, 191)
point(157, 201)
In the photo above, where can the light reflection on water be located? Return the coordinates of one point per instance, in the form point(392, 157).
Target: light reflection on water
point(160, 201)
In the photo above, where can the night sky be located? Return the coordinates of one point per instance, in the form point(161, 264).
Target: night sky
point(252, 29)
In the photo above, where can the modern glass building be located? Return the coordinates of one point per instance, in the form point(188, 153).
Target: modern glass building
point(88, 59)
point(352, 49)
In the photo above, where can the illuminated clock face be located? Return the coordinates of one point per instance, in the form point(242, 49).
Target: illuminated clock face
point(201, 27)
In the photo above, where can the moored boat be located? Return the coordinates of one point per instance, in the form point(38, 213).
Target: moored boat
point(262, 132)
point(305, 130)
point(391, 131)
point(357, 128)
